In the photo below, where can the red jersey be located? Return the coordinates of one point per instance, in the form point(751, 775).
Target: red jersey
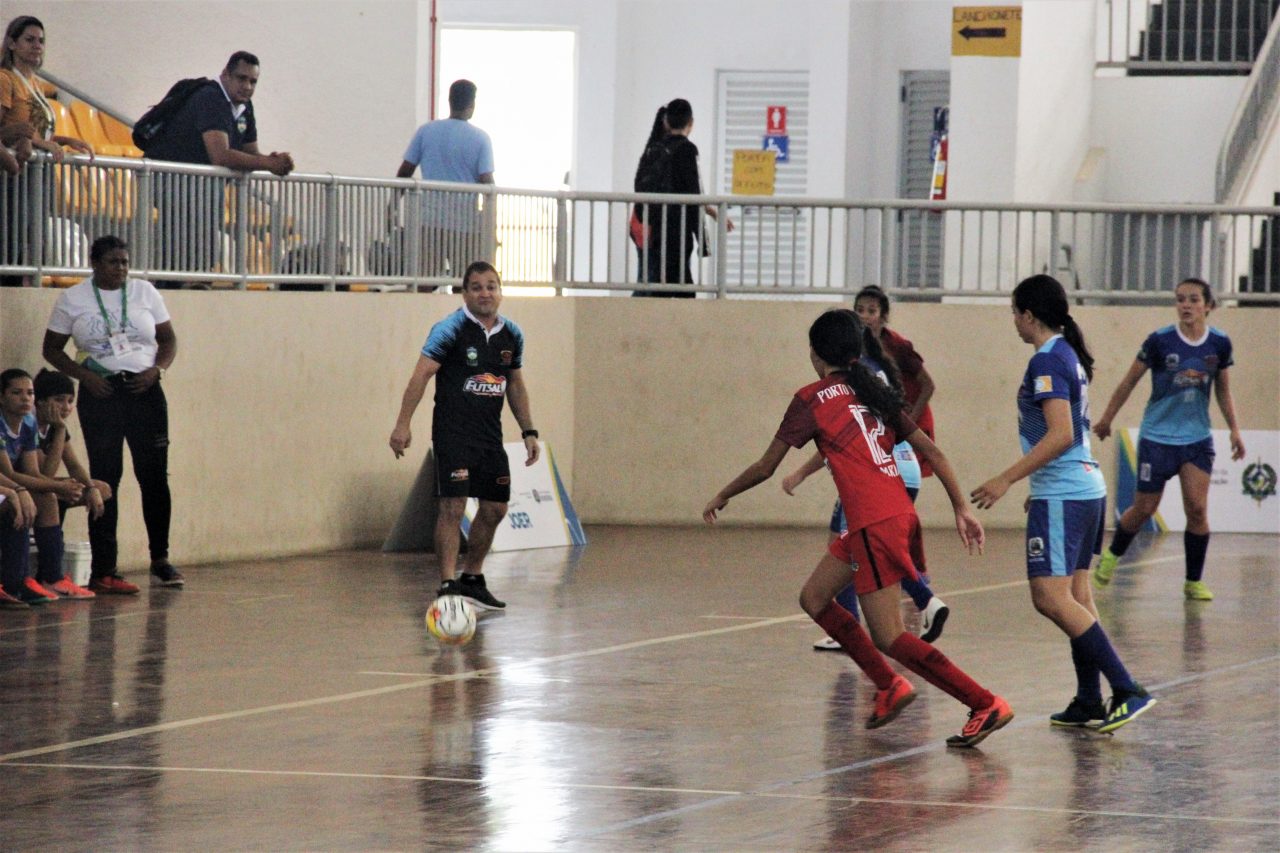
point(857, 446)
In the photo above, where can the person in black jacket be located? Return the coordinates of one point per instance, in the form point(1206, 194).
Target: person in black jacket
point(670, 165)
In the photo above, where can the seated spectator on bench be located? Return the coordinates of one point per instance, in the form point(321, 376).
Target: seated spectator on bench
point(55, 400)
point(19, 465)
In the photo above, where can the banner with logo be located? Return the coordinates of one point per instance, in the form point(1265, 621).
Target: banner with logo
point(1242, 493)
point(539, 514)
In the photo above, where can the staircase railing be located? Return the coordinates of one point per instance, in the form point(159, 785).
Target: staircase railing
point(1254, 113)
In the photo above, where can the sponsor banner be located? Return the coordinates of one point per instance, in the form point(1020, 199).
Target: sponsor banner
point(539, 514)
point(1242, 493)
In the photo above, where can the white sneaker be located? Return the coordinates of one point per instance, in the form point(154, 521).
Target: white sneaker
point(827, 644)
point(932, 618)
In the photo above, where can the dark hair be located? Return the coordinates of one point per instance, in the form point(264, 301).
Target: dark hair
point(872, 291)
point(839, 338)
point(462, 96)
point(8, 376)
point(16, 28)
point(479, 266)
point(871, 349)
point(673, 116)
point(107, 243)
point(1204, 289)
point(51, 383)
point(1046, 299)
point(241, 56)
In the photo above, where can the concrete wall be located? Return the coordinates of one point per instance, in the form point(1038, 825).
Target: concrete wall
point(339, 77)
point(281, 404)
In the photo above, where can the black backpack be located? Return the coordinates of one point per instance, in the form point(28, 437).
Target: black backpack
point(656, 172)
point(151, 127)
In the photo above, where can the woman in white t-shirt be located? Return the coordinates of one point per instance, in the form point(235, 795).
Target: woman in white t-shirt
point(124, 342)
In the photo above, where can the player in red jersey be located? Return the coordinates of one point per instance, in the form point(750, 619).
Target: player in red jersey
point(855, 420)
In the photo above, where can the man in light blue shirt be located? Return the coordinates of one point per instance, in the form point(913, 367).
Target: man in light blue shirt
point(451, 149)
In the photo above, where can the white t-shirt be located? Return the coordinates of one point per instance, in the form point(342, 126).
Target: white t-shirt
point(78, 314)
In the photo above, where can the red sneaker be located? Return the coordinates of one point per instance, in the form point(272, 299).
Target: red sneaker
point(112, 585)
point(33, 593)
point(890, 702)
point(983, 722)
point(8, 602)
point(67, 589)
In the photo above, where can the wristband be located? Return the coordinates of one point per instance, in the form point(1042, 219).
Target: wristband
point(529, 433)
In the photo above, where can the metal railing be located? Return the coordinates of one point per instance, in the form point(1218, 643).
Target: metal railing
point(1253, 115)
point(1203, 36)
point(260, 231)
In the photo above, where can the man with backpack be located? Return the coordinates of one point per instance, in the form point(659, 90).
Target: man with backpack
point(210, 122)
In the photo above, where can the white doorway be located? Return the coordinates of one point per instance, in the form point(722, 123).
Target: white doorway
point(525, 98)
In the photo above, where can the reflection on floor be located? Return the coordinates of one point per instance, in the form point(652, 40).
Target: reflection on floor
point(653, 690)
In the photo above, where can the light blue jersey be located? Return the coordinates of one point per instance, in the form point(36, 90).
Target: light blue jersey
point(1055, 373)
point(1182, 374)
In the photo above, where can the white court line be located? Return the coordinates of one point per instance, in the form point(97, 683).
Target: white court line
point(428, 680)
point(584, 786)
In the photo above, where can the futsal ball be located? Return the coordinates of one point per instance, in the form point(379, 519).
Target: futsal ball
point(452, 620)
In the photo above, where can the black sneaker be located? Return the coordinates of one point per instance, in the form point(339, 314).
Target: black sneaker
point(474, 590)
point(164, 574)
point(449, 587)
point(1080, 715)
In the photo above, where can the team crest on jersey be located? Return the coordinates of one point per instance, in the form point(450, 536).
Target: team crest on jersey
point(485, 385)
point(1044, 384)
point(1171, 361)
point(1035, 547)
point(506, 355)
point(1211, 362)
point(473, 357)
point(457, 476)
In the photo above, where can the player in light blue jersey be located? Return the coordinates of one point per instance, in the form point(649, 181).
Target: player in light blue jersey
point(1067, 506)
point(1186, 360)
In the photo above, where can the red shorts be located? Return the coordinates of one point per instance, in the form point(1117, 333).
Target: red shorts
point(883, 553)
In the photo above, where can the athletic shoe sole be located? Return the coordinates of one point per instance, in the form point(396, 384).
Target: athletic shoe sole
point(939, 620)
point(480, 605)
point(826, 644)
point(968, 743)
point(1111, 727)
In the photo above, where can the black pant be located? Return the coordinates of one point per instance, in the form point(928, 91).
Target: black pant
point(143, 421)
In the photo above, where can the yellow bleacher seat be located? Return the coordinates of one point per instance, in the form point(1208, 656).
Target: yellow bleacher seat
point(92, 126)
point(119, 134)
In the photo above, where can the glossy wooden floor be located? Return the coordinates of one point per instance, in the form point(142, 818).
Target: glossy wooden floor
point(654, 690)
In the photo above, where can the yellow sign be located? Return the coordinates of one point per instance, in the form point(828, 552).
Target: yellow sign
point(753, 171)
point(986, 31)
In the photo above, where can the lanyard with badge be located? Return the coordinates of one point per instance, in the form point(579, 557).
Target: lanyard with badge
point(120, 343)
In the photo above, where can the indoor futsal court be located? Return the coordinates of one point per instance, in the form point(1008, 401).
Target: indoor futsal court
point(653, 690)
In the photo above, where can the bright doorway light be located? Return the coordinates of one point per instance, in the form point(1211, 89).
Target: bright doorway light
point(525, 101)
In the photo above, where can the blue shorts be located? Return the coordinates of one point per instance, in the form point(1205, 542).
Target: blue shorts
point(1159, 463)
point(1063, 536)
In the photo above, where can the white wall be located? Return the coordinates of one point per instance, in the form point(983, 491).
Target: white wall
point(1055, 77)
point(886, 39)
point(338, 81)
point(1162, 135)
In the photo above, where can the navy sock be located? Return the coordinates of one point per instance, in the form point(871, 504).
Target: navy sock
point(1088, 676)
point(1196, 545)
point(848, 599)
point(49, 559)
point(918, 590)
point(13, 557)
point(1120, 541)
point(1096, 648)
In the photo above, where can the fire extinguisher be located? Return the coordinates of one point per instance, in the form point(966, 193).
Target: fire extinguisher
point(938, 148)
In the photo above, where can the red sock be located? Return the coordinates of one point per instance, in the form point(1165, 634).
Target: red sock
point(934, 667)
point(845, 630)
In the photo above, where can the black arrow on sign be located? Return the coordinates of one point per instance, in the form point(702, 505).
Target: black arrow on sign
point(983, 32)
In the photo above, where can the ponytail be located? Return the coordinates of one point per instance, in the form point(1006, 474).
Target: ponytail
point(839, 338)
point(872, 349)
point(659, 129)
point(1073, 335)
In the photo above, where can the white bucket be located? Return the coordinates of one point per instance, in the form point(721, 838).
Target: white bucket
point(76, 559)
